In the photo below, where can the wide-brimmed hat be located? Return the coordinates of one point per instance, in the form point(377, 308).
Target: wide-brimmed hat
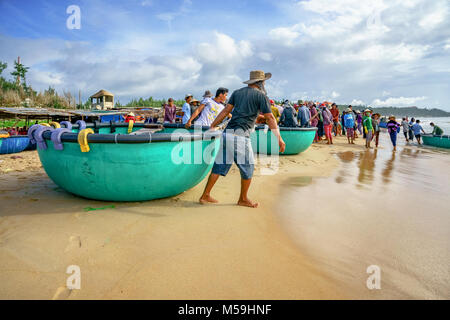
point(131, 114)
point(258, 75)
point(207, 94)
point(367, 110)
point(357, 111)
point(348, 110)
point(194, 100)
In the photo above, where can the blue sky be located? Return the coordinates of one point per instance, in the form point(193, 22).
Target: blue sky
point(350, 51)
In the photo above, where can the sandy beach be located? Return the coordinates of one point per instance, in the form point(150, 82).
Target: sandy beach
point(176, 248)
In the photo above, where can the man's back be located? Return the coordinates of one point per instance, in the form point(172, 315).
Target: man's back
point(416, 128)
point(248, 103)
point(288, 117)
point(438, 131)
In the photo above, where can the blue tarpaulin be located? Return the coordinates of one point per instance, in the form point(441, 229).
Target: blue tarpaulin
point(114, 117)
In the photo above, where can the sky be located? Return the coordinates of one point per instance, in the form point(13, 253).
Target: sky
point(371, 52)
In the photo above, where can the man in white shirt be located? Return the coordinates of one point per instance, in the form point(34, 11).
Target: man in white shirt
point(209, 108)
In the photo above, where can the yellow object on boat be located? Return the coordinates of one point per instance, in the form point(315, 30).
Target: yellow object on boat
point(4, 135)
point(130, 126)
point(55, 124)
point(45, 124)
point(82, 139)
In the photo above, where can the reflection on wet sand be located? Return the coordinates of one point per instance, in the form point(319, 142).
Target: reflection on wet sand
point(366, 166)
point(375, 210)
point(389, 166)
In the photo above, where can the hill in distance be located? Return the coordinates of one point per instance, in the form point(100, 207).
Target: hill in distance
point(404, 111)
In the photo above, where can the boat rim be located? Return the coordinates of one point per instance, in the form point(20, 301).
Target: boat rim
point(288, 128)
point(149, 137)
point(429, 135)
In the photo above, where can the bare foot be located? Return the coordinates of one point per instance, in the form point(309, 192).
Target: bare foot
point(207, 199)
point(247, 203)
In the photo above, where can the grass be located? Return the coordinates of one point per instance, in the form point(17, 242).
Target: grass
point(21, 123)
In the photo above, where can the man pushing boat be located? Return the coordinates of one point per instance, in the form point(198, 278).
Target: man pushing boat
point(244, 104)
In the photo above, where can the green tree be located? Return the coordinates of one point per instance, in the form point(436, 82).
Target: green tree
point(3, 66)
point(20, 72)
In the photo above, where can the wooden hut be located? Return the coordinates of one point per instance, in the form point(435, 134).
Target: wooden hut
point(103, 100)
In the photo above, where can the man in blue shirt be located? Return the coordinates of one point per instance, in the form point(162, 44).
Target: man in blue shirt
point(417, 128)
point(186, 108)
point(303, 116)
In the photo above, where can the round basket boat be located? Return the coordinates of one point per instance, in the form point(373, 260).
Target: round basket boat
point(436, 141)
point(297, 140)
point(15, 144)
point(112, 165)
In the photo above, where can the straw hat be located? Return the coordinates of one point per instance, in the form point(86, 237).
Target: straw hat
point(391, 116)
point(367, 110)
point(194, 100)
point(258, 75)
point(131, 114)
point(348, 110)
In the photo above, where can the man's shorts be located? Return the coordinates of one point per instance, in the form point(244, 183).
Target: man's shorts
point(350, 132)
point(418, 136)
point(237, 149)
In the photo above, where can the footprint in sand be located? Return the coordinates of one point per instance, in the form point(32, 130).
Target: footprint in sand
point(62, 293)
point(74, 243)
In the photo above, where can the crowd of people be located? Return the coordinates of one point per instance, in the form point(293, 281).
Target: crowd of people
point(14, 131)
point(325, 116)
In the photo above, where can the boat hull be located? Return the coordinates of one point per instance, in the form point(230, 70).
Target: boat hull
point(297, 140)
point(128, 172)
point(436, 141)
point(14, 144)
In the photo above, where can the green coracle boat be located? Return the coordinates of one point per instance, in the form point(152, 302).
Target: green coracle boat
point(297, 140)
point(436, 141)
point(124, 167)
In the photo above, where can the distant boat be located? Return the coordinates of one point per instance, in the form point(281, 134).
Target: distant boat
point(15, 144)
point(436, 141)
point(297, 140)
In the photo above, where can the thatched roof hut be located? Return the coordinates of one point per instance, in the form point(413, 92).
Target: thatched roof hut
point(104, 100)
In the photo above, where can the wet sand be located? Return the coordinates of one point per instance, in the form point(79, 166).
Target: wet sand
point(383, 208)
point(289, 248)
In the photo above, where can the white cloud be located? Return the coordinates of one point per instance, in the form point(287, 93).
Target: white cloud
point(223, 50)
point(147, 3)
point(434, 18)
point(356, 102)
point(266, 56)
point(335, 94)
point(285, 35)
point(396, 102)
